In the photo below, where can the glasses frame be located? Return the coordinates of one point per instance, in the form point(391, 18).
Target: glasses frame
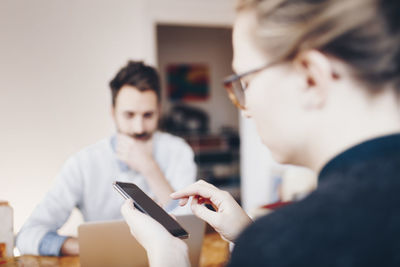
point(228, 83)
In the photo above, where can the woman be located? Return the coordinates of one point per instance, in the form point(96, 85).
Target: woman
point(320, 78)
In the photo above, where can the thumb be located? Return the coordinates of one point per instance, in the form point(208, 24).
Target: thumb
point(130, 213)
point(203, 212)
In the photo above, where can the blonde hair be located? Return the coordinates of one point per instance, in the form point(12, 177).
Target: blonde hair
point(363, 33)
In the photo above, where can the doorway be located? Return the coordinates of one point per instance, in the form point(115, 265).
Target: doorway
point(195, 60)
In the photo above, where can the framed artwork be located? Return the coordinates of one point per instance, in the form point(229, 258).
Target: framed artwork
point(188, 82)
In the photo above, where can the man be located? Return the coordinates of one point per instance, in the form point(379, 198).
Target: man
point(158, 163)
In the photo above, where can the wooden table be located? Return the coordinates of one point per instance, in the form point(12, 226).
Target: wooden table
point(215, 252)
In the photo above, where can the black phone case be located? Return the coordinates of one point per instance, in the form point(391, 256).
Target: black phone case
point(146, 205)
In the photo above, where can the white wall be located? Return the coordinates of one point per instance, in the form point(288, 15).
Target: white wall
point(202, 45)
point(257, 168)
point(56, 59)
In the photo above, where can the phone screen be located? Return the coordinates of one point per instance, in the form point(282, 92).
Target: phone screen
point(146, 205)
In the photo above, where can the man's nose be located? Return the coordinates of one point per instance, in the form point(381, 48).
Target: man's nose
point(138, 125)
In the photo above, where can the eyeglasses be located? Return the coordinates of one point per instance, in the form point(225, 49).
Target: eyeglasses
point(235, 86)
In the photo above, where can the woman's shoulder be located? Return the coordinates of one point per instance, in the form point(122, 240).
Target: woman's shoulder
point(334, 221)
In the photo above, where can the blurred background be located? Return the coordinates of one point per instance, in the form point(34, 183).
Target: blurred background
point(57, 58)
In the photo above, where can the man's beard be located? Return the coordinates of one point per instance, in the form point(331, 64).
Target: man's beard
point(142, 137)
point(145, 136)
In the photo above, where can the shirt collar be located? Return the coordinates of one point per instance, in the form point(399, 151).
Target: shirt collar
point(365, 151)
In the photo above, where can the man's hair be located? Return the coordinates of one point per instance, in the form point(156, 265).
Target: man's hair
point(138, 75)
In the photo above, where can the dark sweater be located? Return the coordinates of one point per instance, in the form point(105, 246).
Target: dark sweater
point(352, 219)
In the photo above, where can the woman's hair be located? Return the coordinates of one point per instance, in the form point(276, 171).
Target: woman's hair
point(363, 33)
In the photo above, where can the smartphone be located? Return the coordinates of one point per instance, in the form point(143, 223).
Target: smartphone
point(146, 205)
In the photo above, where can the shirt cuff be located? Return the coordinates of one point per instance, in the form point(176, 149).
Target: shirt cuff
point(51, 244)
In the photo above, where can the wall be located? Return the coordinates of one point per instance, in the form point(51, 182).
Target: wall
point(56, 59)
point(210, 46)
point(257, 168)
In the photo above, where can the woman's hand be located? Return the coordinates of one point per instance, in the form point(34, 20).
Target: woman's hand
point(228, 220)
point(162, 248)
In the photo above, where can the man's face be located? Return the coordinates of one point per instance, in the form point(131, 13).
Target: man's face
point(136, 112)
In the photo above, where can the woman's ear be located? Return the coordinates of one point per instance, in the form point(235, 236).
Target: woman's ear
point(316, 70)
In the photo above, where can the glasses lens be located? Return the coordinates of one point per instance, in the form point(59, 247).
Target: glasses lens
point(238, 91)
point(235, 89)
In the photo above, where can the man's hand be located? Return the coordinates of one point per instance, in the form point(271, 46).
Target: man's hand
point(137, 154)
point(70, 247)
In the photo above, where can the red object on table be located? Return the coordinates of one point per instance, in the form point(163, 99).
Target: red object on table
point(277, 205)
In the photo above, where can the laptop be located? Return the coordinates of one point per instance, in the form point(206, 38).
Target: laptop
point(110, 244)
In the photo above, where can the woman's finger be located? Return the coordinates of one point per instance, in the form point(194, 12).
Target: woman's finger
point(183, 201)
point(200, 188)
point(203, 212)
point(207, 201)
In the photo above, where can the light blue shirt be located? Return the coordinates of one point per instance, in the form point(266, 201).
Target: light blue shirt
point(85, 182)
